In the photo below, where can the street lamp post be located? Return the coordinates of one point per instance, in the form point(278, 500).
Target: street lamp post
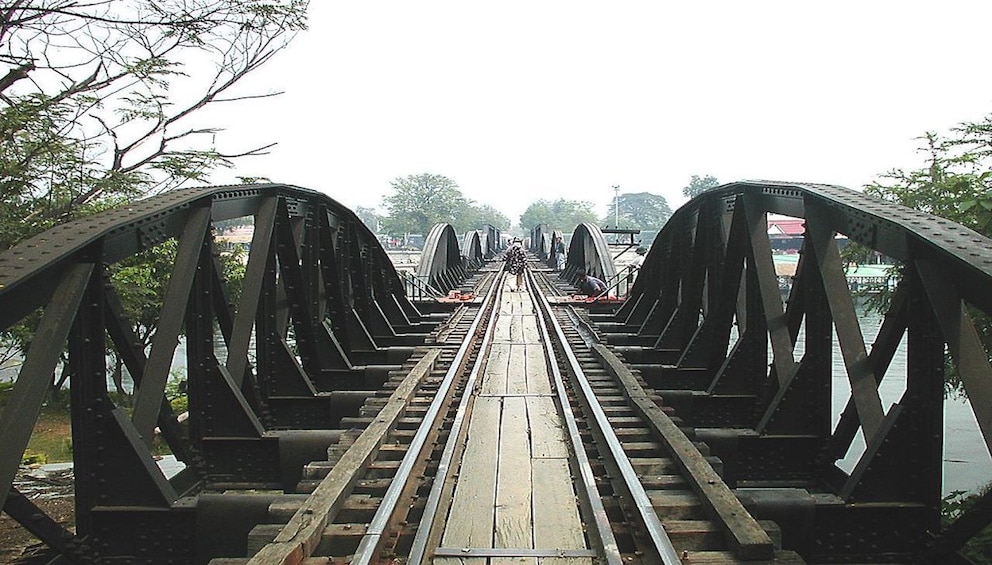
point(616, 210)
point(616, 206)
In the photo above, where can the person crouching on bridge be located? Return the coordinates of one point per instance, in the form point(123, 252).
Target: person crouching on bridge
point(516, 262)
point(588, 284)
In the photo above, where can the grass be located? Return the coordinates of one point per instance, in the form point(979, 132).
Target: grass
point(51, 440)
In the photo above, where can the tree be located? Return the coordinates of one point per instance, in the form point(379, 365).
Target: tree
point(698, 185)
point(475, 215)
point(558, 214)
point(420, 201)
point(955, 182)
point(90, 116)
point(640, 210)
point(370, 217)
point(88, 108)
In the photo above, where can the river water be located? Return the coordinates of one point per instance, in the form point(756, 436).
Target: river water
point(967, 463)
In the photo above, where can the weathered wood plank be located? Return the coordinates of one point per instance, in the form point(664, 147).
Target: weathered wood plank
point(538, 378)
point(531, 333)
point(547, 438)
point(501, 333)
point(513, 527)
point(556, 514)
point(472, 514)
point(516, 329)
point(494, 375)
point(516, 370)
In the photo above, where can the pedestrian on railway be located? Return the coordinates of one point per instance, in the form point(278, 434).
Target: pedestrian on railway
point(588, 284)
point(559, 256)
point(516, 262)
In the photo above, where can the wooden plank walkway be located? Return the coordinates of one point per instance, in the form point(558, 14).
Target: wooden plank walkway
point(514, 491)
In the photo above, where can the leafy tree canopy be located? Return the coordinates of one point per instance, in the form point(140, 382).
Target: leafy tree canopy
point(369, 216)
point(420, 201)
point(558, 214)
point(698, 185)
point(639, 210)
point(87, 104)
point(476, 215)
point(955, 182)
point(90, 117)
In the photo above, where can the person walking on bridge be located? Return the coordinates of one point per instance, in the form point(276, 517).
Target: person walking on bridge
point(516, 262)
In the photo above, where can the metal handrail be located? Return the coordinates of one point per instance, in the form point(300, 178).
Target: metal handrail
point(628, 274)
point(417, 288)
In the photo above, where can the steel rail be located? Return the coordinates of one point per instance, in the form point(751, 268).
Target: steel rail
point(601, 520)
point(371, 541)
point(656, 531)
point(427, 523)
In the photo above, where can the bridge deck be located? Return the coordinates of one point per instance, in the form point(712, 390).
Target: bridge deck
point(514, 488)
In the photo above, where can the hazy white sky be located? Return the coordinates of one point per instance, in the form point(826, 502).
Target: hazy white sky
point(545, 99)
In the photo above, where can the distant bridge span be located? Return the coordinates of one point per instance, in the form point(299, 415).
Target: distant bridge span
point(288, 380)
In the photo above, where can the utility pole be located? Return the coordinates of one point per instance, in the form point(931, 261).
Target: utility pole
point(616, 206)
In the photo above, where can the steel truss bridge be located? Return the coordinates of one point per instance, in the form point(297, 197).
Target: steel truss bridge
point(333, 418)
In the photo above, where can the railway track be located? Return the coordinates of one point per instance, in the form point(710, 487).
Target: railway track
point(515, 436)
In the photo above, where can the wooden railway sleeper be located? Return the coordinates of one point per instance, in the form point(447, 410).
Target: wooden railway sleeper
point(684, 513)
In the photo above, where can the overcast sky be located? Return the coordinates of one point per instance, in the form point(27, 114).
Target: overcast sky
point(516, 101)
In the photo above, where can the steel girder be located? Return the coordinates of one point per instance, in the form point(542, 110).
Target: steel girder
point(492, 242)
point(321, 318)
point(441, 263)
point(589, 251)
point(706, 325)
point(540, 241)
point(472, 256)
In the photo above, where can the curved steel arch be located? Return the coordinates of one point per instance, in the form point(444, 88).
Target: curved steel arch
point(322, 316)
point(441, 261)
point(589, 251)
point(706, 315)
point(540, 241)
point(472, 256)
point(491, 242)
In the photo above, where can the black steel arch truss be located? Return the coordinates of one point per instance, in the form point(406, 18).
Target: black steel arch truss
point(706, 324)
point(441, 265)
point(589, 251)
point(473, 257)
point(540, 241)
point(492, 242)
point(320, 320)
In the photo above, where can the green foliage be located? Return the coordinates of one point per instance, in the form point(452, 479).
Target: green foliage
point(558, 214)
point(698, 185)
point(369, 216)
point(420, 201)
point(175, 391)
point(89, 120)
point(473, 216)
point(87, 111)
point(640, 210)
point(955, 182)
point(33, 458)
point(956, 504)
